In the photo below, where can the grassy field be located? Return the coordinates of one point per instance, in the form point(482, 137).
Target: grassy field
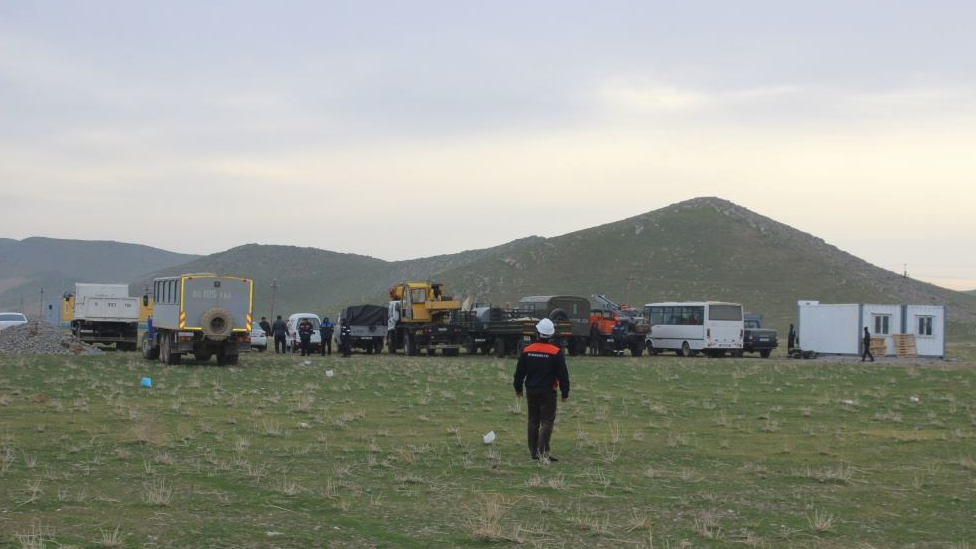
point(654, 452)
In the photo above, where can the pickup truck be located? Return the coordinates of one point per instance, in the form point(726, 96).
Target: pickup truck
point(757, 339)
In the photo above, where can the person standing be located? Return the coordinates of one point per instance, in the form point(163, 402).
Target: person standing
point(790, 340)
point(279, 329)
point(305, 330)
point(541, 369)
point(867, 345)
point(345, 338)
point(265, 325)
point(326, 330)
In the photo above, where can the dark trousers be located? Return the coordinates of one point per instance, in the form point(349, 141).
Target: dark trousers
point(306, 346)
point(542, 418)
point(346, 346)
point(326, 344)
point(279, 343)
point(867, 353)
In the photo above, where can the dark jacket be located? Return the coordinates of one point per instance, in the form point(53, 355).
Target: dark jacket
point(542, 365)
point(345, 332)
point(305, 330)
point(266, 326)
point(326, 329)
point(279, 328)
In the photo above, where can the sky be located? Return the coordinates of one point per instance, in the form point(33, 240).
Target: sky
point(409, 129)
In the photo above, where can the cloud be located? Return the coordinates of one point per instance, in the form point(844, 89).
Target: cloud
point(649, 98)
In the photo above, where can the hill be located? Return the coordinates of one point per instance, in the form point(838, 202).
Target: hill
point(701, 249)
point(56, 264)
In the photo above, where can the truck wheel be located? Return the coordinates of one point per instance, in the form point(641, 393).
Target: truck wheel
point(685, 350)
point(391, 344)
point(469, 347)
point(149, 350)
point(499, 348)
point(166, 354)
point(765, 353)
point(636, 350)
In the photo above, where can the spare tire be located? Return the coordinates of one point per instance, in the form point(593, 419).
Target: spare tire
point(216, 323)
point(558, 315)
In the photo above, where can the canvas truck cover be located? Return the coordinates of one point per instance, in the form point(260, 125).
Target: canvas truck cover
point(365, 315)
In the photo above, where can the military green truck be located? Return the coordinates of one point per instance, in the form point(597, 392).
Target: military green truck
point(203, 315)
point(570, 314)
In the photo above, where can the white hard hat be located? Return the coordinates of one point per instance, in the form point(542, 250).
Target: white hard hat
point(545, 327)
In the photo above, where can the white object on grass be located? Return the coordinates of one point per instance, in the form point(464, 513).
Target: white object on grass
point(329, 373)
point(489, 437)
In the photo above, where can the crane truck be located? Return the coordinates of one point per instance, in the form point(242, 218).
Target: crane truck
point(419, 319)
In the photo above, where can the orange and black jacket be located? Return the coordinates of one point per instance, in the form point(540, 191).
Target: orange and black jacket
point(542, 365)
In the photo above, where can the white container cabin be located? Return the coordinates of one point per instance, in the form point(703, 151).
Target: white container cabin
point(838, 328)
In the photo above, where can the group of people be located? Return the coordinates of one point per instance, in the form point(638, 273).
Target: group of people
point(305, 329)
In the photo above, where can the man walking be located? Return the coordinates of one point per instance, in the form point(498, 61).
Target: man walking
point(542, 370)
point(305, 330)
point(279, 329)
point(867, 346)
point(265, 325)
point(326, 330)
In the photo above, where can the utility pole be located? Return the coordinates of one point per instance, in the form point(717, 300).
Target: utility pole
point(274, 290)
point(40, 310)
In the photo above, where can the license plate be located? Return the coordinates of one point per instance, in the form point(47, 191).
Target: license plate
point(610, 340)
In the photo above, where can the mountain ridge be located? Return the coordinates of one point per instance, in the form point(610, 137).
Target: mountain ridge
point(702, 248)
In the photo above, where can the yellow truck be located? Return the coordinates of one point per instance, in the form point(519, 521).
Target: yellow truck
point(419, 319)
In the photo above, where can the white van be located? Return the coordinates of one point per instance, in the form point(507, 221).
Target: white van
point(292, 342)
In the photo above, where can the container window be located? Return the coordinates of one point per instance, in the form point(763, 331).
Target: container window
point(925, 326)
point(882, 324)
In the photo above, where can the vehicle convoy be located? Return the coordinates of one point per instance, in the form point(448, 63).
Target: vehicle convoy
point(569, 313)
point(419, 319)
point(200, 314)
point(616, 328)
point(687, 328)
point(495, 330)
point(104, 313)
point(293, 342)
point(367, 327)
point(757, 339)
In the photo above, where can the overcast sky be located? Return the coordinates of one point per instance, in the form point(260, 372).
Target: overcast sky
point(409, 129)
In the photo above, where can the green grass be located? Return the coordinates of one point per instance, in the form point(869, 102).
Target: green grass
point(654, 452)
